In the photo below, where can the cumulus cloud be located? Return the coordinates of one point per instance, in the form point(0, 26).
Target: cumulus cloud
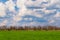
point(22, 8)
point(34, 13)
point(3, 23)
point(34, 3)
point(2, 9)
point(49, 11)
point(23, 11)
point(10, 5)
point(57, 14)
point(51, 21)
point(17, 18)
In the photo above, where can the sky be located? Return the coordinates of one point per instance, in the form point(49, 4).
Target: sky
point(29, 12)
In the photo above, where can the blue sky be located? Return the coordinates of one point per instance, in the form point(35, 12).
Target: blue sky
point(31, 12)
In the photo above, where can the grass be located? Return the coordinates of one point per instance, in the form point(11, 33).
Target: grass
point(29, 35)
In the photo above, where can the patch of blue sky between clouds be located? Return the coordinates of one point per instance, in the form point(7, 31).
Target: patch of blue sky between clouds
point(14, 1)
point(3, 1)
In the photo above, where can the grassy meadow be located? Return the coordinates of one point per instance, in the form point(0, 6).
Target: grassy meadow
point(29, 35)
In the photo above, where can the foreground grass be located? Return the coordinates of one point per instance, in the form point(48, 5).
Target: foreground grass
point(29, 35)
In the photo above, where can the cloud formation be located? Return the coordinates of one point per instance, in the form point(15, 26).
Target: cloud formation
point(28, 12)
point(2, 9)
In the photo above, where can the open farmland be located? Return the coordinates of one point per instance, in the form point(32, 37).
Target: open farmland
point(29, 35)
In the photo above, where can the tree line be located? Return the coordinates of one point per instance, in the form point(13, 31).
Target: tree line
point(29, 28)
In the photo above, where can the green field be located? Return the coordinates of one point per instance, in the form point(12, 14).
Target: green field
point(29, 35)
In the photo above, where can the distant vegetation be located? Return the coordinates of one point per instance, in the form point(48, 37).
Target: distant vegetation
point(29, 28)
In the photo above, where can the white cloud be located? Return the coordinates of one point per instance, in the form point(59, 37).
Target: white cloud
point(22, 10)
point(51, 21)
point(38, 15)
point(2, 10)
point(57, 14)
point(17, 18)
point(49, 11)
point(3, 23)
point(10, 5)
point(30, 24)
point(30, 19)
point(35, 3)
point(33, 13)
point(53, 1)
